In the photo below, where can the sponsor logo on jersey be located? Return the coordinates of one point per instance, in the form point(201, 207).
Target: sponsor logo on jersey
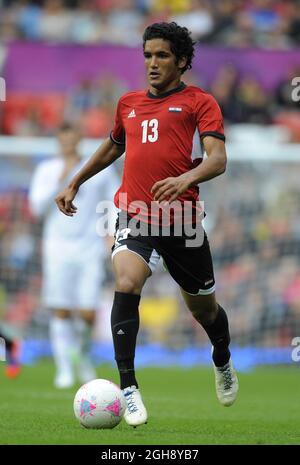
point(132, 114)
point(175, 109)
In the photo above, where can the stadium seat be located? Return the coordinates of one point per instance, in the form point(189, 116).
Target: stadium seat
point(291, 120)
point(52, 111)
point(48, 109)
point(96, 123)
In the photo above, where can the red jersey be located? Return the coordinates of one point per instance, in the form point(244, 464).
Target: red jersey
point(162, 137)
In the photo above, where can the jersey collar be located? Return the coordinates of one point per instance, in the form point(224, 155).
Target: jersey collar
point(181, 86)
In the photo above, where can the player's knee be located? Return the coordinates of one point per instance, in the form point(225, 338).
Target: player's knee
point(62, 313)
point(205, 315)
point(88, 316)
point(128, 285)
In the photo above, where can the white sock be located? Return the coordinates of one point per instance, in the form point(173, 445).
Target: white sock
point(86, 370)
point(84, 336)
point(63, 342)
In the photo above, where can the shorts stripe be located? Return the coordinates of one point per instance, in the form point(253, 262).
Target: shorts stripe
point(204, 291)
point(153, 260)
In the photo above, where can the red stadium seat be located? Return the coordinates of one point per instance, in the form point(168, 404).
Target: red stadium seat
point(48, 110)
point(291, 120)
point(52, 110)
point(96, 122)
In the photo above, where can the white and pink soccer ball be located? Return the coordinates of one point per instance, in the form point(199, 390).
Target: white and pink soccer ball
point(99, 404)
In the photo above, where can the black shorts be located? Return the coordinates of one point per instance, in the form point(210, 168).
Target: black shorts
point(190, 266)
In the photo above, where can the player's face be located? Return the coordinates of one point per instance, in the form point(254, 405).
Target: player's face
point(68, 141)
point(162, 66)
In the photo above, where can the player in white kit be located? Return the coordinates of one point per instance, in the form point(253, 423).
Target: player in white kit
point(72, 256)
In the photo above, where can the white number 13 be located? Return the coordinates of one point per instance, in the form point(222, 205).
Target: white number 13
point(153, 125)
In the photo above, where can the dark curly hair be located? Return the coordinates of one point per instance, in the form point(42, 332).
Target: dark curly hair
point(181, 43)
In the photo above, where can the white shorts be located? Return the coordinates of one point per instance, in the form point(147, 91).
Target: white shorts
point(71, 284)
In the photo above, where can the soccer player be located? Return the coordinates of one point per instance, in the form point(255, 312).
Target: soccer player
point(72, 257)
point(161, 128)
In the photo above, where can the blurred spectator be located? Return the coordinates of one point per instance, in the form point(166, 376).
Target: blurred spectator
point(91, 104)
point(293, 21)
point(198, 18)
point(170, 6)
point(55, 22)
point(223, 89)
point(8, 29)
point(224, 13)
point(28, 19)
point(85, 23)
point(263, 15)
point(81, 98)
point(241, 101)
point(30, 125)
point(123, 24)
point(110, 88)
point(242, 34)
point(253, 102)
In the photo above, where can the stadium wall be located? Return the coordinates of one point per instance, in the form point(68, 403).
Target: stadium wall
point(40, 67)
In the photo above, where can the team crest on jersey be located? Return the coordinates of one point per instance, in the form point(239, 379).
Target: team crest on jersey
point(175, 109)
point(132, 114)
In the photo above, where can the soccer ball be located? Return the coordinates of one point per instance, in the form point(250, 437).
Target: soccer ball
point(99, 404)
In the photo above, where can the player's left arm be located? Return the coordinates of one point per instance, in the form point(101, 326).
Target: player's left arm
point(215, 164)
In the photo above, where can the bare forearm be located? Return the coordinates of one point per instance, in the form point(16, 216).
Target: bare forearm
point(210, 168)
point(170, 188)
point(104, 156)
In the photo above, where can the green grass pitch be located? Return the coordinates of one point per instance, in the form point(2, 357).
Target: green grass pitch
point(181, 403)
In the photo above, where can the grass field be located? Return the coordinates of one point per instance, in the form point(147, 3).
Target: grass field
point(182, 409)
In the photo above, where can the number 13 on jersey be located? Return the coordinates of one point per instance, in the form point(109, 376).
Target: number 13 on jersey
point(150, 130)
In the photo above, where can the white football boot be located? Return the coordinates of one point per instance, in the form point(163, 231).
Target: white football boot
point(227, 385)
point(135, 413)
point(64, 379)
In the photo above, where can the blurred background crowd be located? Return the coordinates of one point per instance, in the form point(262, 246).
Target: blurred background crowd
point(264, 24)
point(233, 23)
point(252, 211)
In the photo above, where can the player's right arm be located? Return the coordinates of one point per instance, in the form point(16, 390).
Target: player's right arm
point(104, 156)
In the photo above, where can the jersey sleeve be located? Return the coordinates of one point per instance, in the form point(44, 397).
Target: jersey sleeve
point(209, 118)
point(117, 135)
